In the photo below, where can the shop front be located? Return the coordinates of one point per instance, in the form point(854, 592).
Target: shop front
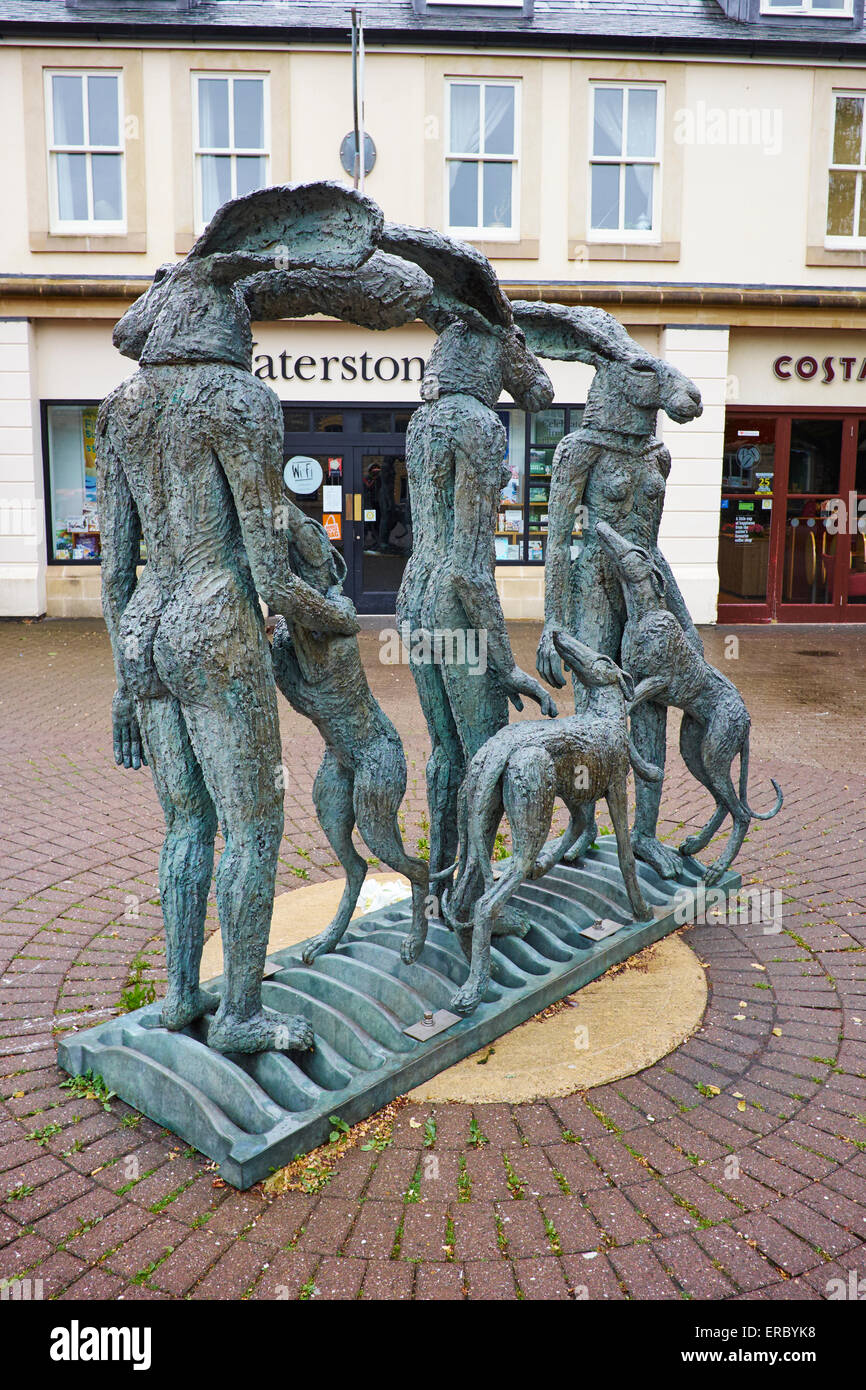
point(792, 527)
point(347, 399)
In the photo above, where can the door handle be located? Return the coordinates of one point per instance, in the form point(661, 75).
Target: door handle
point(358, 511)
point(348, 506)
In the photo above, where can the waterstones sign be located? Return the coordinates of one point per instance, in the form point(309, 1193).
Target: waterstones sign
point(336, 367)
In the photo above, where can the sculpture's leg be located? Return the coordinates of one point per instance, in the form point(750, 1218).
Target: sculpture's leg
point(480, 709)
point(186, 861)
point(691, 738)
point(617, 804)
point(556, 850)
point(332, 795)
point(379, 787)
point(236, 739)
point(529, 789)
point(599, 618)
point(649, 735)
point(720, 745)
point(445, 767)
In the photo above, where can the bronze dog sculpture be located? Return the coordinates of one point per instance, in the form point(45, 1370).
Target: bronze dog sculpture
point(362, 777)
point(522, 770)
point(715, 726)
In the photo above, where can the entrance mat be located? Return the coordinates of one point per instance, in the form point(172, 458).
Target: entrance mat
point(253, 1114)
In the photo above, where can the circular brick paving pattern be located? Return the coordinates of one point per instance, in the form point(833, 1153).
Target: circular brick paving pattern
point(734, 1168)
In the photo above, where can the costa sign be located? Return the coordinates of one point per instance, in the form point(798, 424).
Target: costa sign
point(824, 369)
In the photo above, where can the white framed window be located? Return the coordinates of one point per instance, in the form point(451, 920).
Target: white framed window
point(625, 138)
point(846, 197)
point(482, 194)
point(231, 152)
point(829, 9)
point(85, 151)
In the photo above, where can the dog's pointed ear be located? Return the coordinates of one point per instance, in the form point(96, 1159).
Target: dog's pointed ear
point(291, 226)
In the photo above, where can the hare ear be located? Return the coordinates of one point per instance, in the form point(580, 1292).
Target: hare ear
point(464, 279)
point(575, 334)
point(292, 226)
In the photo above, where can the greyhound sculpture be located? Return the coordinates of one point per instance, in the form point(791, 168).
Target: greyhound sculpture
point(362, 777)
point(715, 725)
point(521, 770)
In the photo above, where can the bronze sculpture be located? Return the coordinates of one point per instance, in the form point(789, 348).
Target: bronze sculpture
point(522, 770)
point(615, 469)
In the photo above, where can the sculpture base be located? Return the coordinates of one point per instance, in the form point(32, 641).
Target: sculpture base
point(252, 1114)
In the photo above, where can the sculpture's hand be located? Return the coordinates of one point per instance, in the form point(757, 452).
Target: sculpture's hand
point(547, 660)
point(518, 683)
point(345, 618)
point(128, 750)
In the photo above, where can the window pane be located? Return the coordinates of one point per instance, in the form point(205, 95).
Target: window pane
point(829, 4)
point(72, 187)
point(816, 451)
point(216, 183)
point(249, 114)
point(102, 110)
point(605, 196)
point(638, 197)
point(607, 125)
point(499, 120)
point(848, 135)
point(641, 123)
point(107, 199)
point(213, 112)
point(251, 173)
point(840, 204)
point(497, 195)
point(66, 94)
point(465, 117)
point(463, 193)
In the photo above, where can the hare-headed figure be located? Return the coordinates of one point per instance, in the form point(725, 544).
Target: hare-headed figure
point(190, 459)
point(612, 468)
point(455, 451)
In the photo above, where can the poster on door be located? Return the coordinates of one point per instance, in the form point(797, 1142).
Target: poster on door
point(333, 526)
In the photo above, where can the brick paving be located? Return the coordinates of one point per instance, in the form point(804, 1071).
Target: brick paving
point(735, 1168)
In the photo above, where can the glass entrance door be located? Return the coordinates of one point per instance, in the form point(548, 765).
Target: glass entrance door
point(792, 538)
point(381, 525)
point(347, 468)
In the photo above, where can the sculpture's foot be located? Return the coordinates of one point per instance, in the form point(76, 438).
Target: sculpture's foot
point(182, 1007)
point(582, 845)
point(266, 1031)
point(690, 845)
point(320, 945)
point(413, 945)
point(467, 999)
point(510, 922)
point(666, 862)
point(642, 913)
point(714, 873)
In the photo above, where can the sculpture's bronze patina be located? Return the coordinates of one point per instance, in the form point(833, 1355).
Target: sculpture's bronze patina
point(612, 468)
point(522, 770)
point(362, 777)
point(670, 671)
point(190, 459)
point(455, 448)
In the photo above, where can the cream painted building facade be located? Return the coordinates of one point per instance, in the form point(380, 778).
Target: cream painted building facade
point(710, 199)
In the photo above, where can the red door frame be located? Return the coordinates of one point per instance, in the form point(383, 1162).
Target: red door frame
point(775, 609)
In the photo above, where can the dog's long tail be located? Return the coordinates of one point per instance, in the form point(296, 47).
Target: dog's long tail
point(648, 772)
point(744, 780)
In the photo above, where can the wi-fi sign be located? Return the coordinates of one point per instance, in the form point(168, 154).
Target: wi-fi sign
point(303, 474)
